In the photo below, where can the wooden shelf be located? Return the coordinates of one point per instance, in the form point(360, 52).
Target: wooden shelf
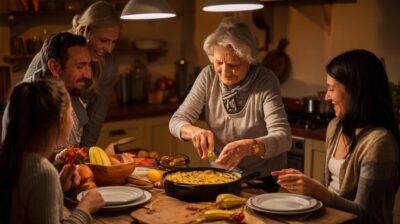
point(16, 60)
point(15, 17)
point(11, 58)
point(34, 13)
point(151, 55)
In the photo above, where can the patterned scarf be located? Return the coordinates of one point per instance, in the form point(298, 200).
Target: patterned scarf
point(235, 97)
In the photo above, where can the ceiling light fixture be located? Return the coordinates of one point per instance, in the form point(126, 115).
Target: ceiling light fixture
point(147, 9)
point(231, 5)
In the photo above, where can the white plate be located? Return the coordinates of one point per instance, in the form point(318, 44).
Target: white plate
point(316, 207)
point(283, 202)
point(117, 195)
point(144, 199)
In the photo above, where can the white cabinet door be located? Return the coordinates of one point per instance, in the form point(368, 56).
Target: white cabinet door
point(314, 159)
point(160, 139)
point(112, 131)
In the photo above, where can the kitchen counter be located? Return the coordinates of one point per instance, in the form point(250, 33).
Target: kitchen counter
point(134, 111)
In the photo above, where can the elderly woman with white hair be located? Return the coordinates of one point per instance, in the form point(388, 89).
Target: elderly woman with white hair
point(248, 127)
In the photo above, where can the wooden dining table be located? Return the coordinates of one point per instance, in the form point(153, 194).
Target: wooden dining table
point(163, 209)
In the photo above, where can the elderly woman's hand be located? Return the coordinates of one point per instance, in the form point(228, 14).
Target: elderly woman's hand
point(234, 152)
point(203, 141)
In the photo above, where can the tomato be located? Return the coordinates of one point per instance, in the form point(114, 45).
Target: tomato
point(146, 162)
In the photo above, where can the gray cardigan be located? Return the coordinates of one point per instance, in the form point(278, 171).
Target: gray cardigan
point(367, 177)
point(262, 117)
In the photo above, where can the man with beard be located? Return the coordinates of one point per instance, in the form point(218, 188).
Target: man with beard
point(65, 56)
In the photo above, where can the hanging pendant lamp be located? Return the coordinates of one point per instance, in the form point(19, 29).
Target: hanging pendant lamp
point(147, 9)
point(231, 5)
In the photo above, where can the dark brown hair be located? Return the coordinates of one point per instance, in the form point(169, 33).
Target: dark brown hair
point(56, 46)
point(365, 79)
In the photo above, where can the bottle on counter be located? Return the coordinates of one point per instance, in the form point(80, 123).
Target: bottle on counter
point(181, 79)
point(140, 82)
point(124, 88)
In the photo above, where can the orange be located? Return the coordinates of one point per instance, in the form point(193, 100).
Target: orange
point(154, 175)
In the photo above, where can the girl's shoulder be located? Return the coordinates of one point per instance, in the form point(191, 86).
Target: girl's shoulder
point(38, 167)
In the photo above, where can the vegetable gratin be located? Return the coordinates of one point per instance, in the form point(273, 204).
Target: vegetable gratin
point(201, 177)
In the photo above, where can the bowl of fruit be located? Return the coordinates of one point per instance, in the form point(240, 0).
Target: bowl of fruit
point(110, 169)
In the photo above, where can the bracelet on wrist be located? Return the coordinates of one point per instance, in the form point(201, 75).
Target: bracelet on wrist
point(256, 149)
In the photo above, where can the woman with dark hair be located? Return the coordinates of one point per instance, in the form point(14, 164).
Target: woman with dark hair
point(362, 163)
point(30, 190)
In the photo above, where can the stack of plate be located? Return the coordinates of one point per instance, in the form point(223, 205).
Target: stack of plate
point(120, 197)
point(283, 203)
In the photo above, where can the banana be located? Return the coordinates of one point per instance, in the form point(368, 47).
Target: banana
point(229, 201)
point(92, 158)
point(217, 214)
point(98, 156)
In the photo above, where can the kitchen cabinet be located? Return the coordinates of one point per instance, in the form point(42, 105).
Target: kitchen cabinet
point(112, 131)
point(150, 133)
point(158, 136)
point(314, 158)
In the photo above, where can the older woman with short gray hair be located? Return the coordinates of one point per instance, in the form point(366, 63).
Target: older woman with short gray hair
point(248, 127)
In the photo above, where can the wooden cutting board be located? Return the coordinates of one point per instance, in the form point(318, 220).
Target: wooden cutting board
point(170, 210)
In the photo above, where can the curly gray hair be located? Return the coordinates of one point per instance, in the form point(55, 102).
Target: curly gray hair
point(235, 33)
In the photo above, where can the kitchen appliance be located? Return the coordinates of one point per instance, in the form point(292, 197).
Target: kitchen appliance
point(203, 192)
point(295, 157)
point(124, 88)
point(311, 121)
point(308, 121)
point(182, 79)
point(316, 104)
point(140, 83)
point(132, 86)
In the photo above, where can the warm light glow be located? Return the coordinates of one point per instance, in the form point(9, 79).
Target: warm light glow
point(232, 7)
point(149, 16)
point(147, 9)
